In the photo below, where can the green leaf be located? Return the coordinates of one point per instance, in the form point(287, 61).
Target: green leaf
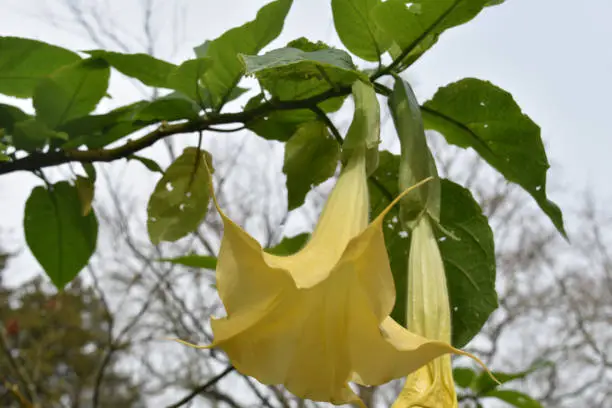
point(477, 114)
point(168, 109)
point(9, 115)
point(71, 91)
point(249, 38)
point(417, 162)
point(289, 245)
point(194, 261)
point(463, 376)
point(415, 22)
point(24, 62)
point(514, 398)
point(60, 238)
point(148, 163)
point(32, 134)
point(187, 80)
point(357, 30)
point(364, 132)
point(383, 187)
point(97, 131)
point(180, 200)
point(469, 262)
point(145, 68)
point(291, 73)
point(311, 157)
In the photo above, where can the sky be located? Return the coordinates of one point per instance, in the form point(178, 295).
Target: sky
point(554, 56)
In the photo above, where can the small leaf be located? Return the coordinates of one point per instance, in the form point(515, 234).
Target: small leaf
point(193, 261)
point(97, 131)
point(169, 109)
point(187, 80)
point(469, 262)
point(148, 163)
point(143, 67)
point(70, 92)
point(9, 115)
point(417, 162)
point(415, 22)
point(463, 376)
point(60, 238)
point(291, 73)
point(24, 62)
point(289, 245)
point(85, 189)
point(311, 157)
point(357, 30)
point(477, 114)
point(31, 134)
point(249, 38)
point(180, 200)
point(514, 398)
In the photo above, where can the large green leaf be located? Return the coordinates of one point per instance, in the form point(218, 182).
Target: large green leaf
point(357, 29)
point(311, 157)
point(477, 114)
point(292, 73)
point(168, 108)
point(417, 162)
point(143, 67)
point(97, 131)
point(180, 200)
point(249, 38)
point(469, 262)
point(71, 92)
point(24, 62)
point(59, 236)
point(420, 22)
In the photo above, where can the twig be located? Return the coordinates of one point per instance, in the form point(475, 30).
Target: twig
point(202, 388)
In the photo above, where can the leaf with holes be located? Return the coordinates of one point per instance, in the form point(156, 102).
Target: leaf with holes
point(24, 62)
point(477, 114)
point(249, 38)
point(143, 67)
point(292, 73)
point(311, 157)
point(180, 200)
point(61, 239)
point(357, 30)
point(71, 92)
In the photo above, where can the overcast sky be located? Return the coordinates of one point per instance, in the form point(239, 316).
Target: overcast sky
point(554, 56)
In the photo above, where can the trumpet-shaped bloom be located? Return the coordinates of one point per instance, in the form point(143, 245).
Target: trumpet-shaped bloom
point(319, 318)
point(428, 314)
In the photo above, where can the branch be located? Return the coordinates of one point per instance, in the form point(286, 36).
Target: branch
point(39, 160)
point(202, 388)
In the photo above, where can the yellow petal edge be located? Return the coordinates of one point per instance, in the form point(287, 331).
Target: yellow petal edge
point(315, 320)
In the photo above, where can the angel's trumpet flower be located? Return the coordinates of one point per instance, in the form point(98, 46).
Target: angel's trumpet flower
point(428, 314)
point(315, 320)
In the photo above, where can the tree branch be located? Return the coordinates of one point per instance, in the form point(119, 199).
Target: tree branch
point(202, 388)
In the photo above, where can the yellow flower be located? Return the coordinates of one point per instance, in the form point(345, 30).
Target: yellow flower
point(428, 314)
point(315, 320)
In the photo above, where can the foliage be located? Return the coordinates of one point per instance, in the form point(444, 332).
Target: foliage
point(300, 84)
